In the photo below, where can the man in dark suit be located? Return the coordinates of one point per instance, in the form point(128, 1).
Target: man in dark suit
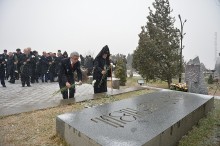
point(66, 74)
point(25, 68)
point(18, 65)
point(43, 67)
point(2, 69)
point(5, 54)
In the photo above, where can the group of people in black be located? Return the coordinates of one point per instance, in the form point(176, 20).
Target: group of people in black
point(29, 67)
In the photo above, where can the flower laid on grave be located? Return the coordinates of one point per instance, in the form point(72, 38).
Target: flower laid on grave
point(93, 82)
point(179, 87)
point(104, 75)
point(64, 89)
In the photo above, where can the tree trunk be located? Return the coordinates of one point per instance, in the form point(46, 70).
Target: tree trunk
point(169, 81)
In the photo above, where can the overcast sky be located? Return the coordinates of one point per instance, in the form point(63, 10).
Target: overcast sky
point(87, 25)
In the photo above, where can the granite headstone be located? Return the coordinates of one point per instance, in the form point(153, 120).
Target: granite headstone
point(155, 119)
point(194, 77)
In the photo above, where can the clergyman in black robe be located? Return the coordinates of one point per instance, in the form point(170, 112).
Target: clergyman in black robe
point(101, 70)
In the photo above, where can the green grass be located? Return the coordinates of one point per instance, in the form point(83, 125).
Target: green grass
point(160, 84)
point(206, 133)
point(132, 81)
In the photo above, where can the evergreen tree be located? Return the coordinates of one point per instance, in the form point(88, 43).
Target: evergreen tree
point(157, 55)
point(120, 71)
point(210, 79)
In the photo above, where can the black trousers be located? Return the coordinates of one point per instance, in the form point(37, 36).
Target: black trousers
point(34, 78)
point(25, 78)
point(2, 77)
point(51, 76)
point(65, 92)
point(18, 72)
point(33, 75)
point(44, 77)
point(12, 75)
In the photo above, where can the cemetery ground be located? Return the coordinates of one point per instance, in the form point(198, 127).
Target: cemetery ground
point(38, 127)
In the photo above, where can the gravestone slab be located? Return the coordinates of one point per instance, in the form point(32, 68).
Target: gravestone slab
point(155, 119)
point(194, 77)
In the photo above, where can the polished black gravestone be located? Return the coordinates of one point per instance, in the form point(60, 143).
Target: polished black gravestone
point(155, 119)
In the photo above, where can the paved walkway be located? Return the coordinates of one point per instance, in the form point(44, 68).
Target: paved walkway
point(16, 99)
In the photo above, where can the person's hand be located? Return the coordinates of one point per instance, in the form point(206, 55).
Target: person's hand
point(103, 72)
point(112, 65)
point(24, 63)
point(80, 82)
point(50, 62)
point(68, 85)
point(28, 59)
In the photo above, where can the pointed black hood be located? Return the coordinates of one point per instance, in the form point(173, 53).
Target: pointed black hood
point(105, 50)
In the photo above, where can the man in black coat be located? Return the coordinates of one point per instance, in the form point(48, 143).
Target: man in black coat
point(89, 65)
point(101, 70)
point(44, 65)
point(5, 54)
point(66, 74)
point(33, 62)
point(18, 55)
point(25, 68)
point(2, 69)
point(11, 62)
point(58, 63)
point(51, 68)
point(82, 60)
point(37, 69)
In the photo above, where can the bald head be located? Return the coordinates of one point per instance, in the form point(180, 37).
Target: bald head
point(25, 51)
point(29, 48)
point(10, 54)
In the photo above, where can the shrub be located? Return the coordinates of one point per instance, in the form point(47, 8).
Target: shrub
point(120, 72)
point(210, 80)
